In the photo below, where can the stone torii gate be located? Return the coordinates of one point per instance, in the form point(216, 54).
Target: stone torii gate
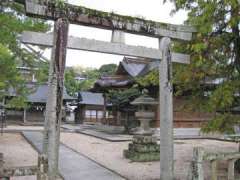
point(59, 41)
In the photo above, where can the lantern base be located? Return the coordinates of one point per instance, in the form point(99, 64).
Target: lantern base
point(144, 148)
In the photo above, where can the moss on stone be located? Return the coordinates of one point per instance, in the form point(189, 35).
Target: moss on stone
point(141, 157)
point(60, 6)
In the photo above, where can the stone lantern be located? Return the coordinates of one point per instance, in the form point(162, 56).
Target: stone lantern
point(145, 113)
point(144, 146)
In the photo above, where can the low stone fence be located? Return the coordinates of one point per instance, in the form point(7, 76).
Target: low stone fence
point(40, 170)
point(199, 156)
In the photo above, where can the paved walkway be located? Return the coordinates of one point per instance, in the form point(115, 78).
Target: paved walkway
point(72, 165)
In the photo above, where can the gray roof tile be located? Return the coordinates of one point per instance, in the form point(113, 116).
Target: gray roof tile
point(90, 98)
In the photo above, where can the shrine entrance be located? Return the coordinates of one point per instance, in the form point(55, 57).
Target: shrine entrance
point(63, 14)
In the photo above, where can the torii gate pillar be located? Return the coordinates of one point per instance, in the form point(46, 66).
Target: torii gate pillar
point(166, 111)
point(55, 95)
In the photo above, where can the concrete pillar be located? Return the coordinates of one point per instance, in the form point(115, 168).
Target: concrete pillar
point(166, 109)
point(231, 169)
point(198, 153)
point(24, 115)
point(214, 170)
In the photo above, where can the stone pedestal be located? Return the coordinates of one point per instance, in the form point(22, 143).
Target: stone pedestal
point(143, 148)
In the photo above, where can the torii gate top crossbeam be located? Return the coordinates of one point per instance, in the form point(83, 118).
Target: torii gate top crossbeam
point(89, 17)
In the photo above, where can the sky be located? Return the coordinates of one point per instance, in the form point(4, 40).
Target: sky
point(149, 9)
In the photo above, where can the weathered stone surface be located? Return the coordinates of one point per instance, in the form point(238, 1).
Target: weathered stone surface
point(84, 16)
point(141, 139)
point(166, 109)
point(144, 148)
point(142, 157)
point(77, 43)
point(19, 171)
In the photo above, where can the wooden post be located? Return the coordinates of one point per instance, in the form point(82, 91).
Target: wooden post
point(197, 173)
point(54, 102)
point(166, 109)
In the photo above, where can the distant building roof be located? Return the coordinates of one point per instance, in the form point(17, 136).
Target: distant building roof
point(39, 94)
point(90, 98)
point(132, 66)
point(128, 69)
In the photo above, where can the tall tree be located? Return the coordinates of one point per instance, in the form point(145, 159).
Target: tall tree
point(90, 74)
point(213, 76)
point(13, 22)
point(107, 69)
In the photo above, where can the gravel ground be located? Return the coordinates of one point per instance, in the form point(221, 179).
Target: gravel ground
point(17, 152)
point(110, 155)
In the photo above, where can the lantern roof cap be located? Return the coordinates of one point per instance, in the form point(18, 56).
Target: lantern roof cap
point(144, 100)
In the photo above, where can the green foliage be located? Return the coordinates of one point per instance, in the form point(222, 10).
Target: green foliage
point(91, 76)
point(107, 69)
point(121, 98)
point(60, 3)
point(7, 68)
point(42, 72)
point(223, 97)
point(13, 22)
point(222, 123)
point(70, 83)
point(10, 78)
point(151, 78)
point(215, 54)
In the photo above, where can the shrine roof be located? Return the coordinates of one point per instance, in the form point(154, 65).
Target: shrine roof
point(89, 98)
point(40, 92)
point(134, 67)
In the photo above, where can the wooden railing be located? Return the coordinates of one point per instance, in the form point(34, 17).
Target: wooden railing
point(200, 156)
